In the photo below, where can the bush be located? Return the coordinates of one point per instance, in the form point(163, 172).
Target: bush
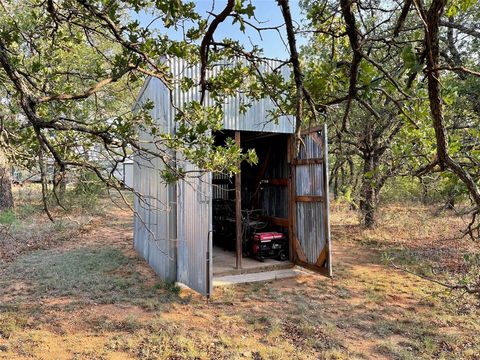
point(438, 189)
point(401, 189)
point(83, 195)
point(26, 210)
point(88, 184)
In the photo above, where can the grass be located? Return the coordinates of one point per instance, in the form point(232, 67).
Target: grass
point(89, 275)
point(7, 217)
point(88, 296)
point(27, 227)
point(10, 323)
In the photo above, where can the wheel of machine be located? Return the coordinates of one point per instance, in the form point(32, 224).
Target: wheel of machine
point(282, 256)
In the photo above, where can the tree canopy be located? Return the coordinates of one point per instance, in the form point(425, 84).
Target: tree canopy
point(396, 82)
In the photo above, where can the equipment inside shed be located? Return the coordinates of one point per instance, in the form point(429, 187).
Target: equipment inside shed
point(256, 237)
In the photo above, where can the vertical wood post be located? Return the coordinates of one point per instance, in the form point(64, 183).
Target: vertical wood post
point(291, 199)
point(238, 209)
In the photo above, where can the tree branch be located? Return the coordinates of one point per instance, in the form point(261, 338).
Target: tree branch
point(205, 45)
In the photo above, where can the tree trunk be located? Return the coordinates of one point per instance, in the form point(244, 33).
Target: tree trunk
point(424, 191)
point(355, 191)
point(367, 192)
point(59, 182)
point(335, 187)
point(432, 21)
point(6, 196)
point(450, 203)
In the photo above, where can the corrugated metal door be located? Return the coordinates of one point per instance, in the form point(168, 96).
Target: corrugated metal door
point(311, 240)
point(194, 251)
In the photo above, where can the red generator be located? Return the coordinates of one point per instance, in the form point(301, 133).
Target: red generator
point(270, 245)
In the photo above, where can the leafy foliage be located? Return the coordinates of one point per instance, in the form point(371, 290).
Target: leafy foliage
point(379, 111)
point(71, 70)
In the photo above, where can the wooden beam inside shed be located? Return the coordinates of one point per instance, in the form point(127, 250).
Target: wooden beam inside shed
point(291, 200)
point(238, 210)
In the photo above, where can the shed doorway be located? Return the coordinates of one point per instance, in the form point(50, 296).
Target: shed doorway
point(256, 238)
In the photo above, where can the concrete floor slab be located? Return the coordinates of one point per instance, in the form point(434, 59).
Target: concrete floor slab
point(259, 276)
point(224, 263)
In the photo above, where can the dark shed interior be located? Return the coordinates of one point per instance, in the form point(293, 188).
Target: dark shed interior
point(264, 207)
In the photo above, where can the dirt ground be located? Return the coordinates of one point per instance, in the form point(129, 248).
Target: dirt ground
point(84, 294)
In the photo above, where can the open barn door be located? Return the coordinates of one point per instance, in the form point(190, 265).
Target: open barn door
point(194, 214)
point(310, 203)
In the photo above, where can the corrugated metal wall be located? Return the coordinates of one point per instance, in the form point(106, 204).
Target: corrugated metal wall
point(309, 181)
point(194, 225)
point(155, 202)
point(222, 190)
point(256, 118)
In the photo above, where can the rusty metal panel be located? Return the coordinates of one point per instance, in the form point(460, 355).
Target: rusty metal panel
point(274, 199)
point(194, 226)
point(312, 147)
point(309, 180)
point(312, 210)
point(310, 232)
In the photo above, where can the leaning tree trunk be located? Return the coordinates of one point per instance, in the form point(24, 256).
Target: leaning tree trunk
point(431, 20)
point(6, 196)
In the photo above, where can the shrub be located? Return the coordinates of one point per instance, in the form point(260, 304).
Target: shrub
point(88, 184)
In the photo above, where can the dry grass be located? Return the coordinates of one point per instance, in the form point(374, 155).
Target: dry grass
point(413, 235)
point(27, 227)
point(90, 297)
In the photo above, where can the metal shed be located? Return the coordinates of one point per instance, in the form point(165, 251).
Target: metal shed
point(174, 223)
point(124, 172)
